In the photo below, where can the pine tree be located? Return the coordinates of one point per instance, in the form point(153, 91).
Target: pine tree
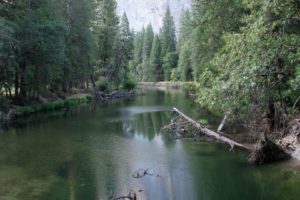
point(185, 28)
point(155, 61)
point(107, 27)
point(136, 63)
point(184, 47)
point(147, 46)
point(168, 42)
point(123, 51)
point(184, 63)
point(167, 34)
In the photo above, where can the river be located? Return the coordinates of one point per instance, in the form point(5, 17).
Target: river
point(90, 153)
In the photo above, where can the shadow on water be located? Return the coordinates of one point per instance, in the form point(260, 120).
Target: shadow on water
point(90, 153)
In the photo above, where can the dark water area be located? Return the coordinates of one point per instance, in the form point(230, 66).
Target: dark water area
point(90, 153)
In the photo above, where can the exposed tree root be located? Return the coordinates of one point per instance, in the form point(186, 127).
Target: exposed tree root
point(266, 152)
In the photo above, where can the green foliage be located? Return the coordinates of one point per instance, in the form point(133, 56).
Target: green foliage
point(129, 83)
point(55, 105)
point(61, 45)
point(245, 61)
point(25, 110)
point(167, 34)
point(169, 63)
point(147, 48)
point(156, 73)
point(203, 121)
point(4, 104)
point(102, 84)
point(185, 69)
point(155, 55)
point(88, 98)
point(175, 75)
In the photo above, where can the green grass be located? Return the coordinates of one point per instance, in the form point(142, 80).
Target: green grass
point(55, 105)
point(203, 121)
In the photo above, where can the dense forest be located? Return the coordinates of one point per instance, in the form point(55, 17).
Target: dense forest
point(57, 45)
point(241, 58)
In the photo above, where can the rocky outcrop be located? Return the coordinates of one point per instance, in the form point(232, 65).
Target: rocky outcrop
point(142, 12)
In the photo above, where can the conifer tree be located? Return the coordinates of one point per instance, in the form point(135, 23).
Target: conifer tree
point(147, 46)
point(168, 44)
point(155, 61)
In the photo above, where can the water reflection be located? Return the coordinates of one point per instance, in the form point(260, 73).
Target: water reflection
point(148, 125)
point(90, 153)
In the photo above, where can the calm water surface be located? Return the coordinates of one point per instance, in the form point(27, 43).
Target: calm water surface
point(91, 152)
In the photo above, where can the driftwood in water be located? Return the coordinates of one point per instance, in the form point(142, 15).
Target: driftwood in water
point(130, 197)
point(105, 96)
point(265, 151)
point(141, 173)
point(211, 133)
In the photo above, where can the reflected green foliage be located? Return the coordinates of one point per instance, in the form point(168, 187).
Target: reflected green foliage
point(90, 152)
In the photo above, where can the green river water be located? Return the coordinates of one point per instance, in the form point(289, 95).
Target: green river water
point(90, 153)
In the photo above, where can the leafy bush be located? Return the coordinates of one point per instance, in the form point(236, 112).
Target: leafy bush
point(59, 104)
point(191, 87)
point(175, 76)
point(129, 83)
point(71, 102)
point(25, 110)
point(88, 98)
point(102, 84)
point(55, 105)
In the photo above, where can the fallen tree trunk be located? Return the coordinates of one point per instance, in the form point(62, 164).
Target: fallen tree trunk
point(211, 133)
point(265, 151)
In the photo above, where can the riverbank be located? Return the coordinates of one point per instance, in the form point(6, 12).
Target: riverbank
point(60, 101)
point(263, 148)
point(162, 85)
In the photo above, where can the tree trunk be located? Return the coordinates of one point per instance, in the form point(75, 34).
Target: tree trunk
point(211, 133)
point(271, 112)
point(93, 82)
point(23, 87)
point(17, 83)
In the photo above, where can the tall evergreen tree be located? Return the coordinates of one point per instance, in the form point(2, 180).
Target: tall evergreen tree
point(168, 44)
point(167, 34)
point(155, 61)
point(147, 46)
point(108, 27)
point(136, 63)
point(184, 48)
point(123, 51)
